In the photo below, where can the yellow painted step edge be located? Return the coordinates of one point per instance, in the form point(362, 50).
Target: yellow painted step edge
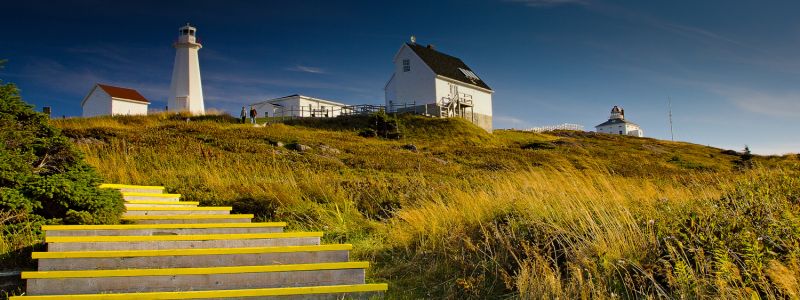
point(129, 186)
point(202, 208)
point(137, 194)
point(193, 271)
point(265, 292)
point(188, 237)
point(188, 217)
point(189, 252)
point(162, 202)
point(162, 226)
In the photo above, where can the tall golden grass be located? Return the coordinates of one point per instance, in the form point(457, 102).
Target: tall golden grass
point(594, 217)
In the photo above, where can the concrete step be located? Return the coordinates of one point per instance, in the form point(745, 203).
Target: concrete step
point(189, 219)
point(162, 229)
point(195, 279)
point(331, 292)
point(164, 210)
point(140, 203)
point(159, 242)
point(133, 188)
point(191, 258)
point(150, 196)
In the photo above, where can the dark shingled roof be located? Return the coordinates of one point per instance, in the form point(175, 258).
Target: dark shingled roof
point(445, 65)
point(616, 121)
point(123, 93)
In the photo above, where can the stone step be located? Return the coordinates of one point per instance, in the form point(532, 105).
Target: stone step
point(191, 258)
point(133, 188)
point(150, 196)
point(189, 219)
point(159, 242)
point(332, 292)
point(164, 210)
point(195, 279)
point(140, 203)
point(162, 229)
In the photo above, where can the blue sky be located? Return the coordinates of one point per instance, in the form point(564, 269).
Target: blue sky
point(732, 68)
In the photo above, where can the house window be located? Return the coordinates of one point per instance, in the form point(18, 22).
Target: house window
point(406, 65)
point(620, 132)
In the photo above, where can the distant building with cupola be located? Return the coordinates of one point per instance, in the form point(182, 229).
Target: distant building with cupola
point(617, 124)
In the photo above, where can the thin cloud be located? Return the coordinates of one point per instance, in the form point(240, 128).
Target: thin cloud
point(550, 3)
point(104, 52)
point(306, 69)
point(78, 81)
point(254, 80)
point(697, 32)
point(781, 105)
point(691, 32)
point(211, 54)
point(509, 121)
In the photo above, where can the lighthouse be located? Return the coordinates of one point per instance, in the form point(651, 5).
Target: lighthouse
point(186, 91)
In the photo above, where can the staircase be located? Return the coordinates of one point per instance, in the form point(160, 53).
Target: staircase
point(177, 250)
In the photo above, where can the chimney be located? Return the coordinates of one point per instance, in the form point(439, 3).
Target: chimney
point(46, 111)
point(430, 46)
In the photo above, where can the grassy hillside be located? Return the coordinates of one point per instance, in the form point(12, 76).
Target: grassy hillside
point(477, 215)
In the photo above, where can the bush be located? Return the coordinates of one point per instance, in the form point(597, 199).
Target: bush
point(367, 133)
point(385, 126)
point(538, 146)
point(42, 174)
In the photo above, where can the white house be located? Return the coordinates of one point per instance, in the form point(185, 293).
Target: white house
point(186, 89)
point(617, 124)
point(105, 100)
point(299, 106)
point(430, 82)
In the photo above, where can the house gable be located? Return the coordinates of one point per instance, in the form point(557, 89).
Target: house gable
point(96, 103)
point(416, 84)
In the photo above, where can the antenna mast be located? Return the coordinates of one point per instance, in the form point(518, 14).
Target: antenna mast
point(672, 135)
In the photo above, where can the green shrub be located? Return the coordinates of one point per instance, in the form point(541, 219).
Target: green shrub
point(537, 145)
point(43, 179)
point(367, 133)
point(41, 173)
point(386, 126)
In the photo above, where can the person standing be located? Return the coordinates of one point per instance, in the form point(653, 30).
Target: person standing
point(253, 114)
point(243, 115)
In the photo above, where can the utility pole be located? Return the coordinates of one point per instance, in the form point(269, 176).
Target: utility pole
point(672, 135)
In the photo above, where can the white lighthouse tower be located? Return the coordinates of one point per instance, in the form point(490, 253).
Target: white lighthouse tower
point(186, 91)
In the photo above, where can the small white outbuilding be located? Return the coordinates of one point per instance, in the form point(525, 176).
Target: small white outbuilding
point(104, 100)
